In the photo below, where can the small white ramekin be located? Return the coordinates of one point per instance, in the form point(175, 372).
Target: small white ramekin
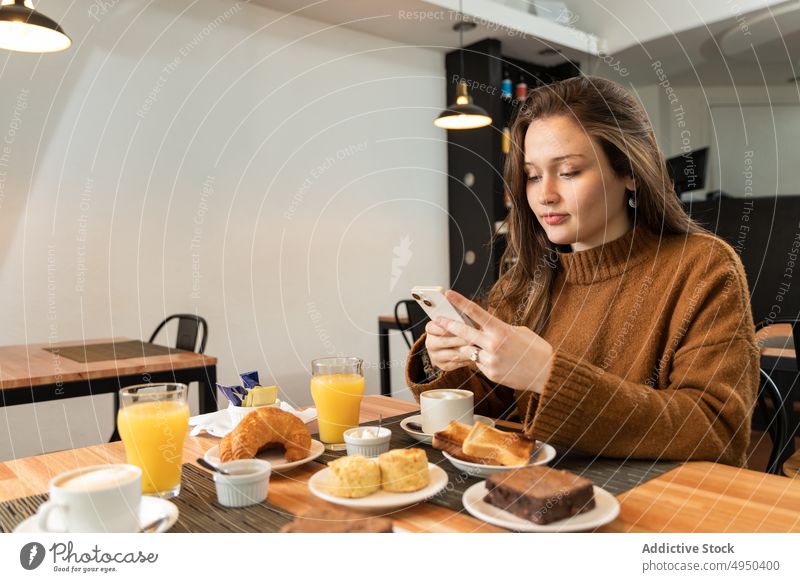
point(248, 485)
point(367, 447)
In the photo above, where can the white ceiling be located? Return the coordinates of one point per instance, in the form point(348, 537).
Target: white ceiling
point(522, 34)
point(708, 41)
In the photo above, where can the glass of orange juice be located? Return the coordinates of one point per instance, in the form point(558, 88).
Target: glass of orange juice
point(153, 420)
point(337, 385)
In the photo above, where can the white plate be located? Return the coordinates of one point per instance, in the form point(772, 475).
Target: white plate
point(426, 438)
point(542, 454)
point(151, 509)
point(380, 499)
point(274, 456)
point(606, 510)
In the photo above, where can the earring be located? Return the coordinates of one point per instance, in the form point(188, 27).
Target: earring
point(632, 200)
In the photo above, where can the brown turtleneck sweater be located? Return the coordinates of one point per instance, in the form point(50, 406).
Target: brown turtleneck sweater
point(654, 357)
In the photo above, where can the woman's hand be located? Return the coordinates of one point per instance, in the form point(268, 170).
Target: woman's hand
point(511, 355)
point(444, 348)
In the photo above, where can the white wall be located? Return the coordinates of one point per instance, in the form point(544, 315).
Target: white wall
point(265, 183)
point(763, 124)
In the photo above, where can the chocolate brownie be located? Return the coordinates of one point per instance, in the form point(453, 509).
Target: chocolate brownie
point(540, 494)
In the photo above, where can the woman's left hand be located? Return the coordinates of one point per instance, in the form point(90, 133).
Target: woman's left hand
point(514, 356)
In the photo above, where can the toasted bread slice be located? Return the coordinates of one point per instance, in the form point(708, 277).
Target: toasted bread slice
point(456, 432)
point(502, 448)
point(451, 440)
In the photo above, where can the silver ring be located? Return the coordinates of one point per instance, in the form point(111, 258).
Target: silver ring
point(474, 356)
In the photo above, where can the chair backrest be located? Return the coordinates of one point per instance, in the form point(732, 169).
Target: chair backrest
point(189, 327)
point(777, 421)
point(417, 319)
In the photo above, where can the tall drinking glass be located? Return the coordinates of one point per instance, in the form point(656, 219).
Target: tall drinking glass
point(337, 385)
point(153, 421)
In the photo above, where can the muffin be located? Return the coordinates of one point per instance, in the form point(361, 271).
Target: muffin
point(404, 470)
point(353, 477)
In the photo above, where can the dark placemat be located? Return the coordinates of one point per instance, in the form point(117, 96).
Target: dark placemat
point(197, 503)
point(200, 512)
point(112, 351)
point(614, 475)
point(14, 512)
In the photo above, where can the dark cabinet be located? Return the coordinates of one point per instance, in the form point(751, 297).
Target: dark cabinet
point(475, 161)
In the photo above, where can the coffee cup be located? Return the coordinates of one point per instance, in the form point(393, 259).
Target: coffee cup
point(439, 407)
point(100, 498)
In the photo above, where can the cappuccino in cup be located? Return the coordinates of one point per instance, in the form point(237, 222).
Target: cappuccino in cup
point(439, 407)
point(101, 498)
point(111, 476)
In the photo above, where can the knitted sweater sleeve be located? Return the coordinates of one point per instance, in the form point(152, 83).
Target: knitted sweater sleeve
point(709, 378)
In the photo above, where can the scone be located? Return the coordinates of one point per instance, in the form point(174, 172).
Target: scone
point(355, 476)
point(404, 470)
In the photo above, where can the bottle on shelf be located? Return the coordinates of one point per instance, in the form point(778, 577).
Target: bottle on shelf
point(521, 88)
point(506, 86)
point(506, 141)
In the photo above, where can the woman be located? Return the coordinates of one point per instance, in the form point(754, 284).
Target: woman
point(621, 328)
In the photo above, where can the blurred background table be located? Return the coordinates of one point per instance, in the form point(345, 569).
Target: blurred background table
point(43, 372)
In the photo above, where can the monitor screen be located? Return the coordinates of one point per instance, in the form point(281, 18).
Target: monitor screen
point(688, 170)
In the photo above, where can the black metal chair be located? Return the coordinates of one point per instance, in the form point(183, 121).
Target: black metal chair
point(776, 421)
point(785, 375)
point(417, 319)
point(189, 327)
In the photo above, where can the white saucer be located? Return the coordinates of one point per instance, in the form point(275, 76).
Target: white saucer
point(605, 511)
point(151, 509)
point(542, 454)
point(274, 456)
point(380, 499)
point(426, 438)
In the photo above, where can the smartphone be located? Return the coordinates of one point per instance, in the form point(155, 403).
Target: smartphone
point(435, 304)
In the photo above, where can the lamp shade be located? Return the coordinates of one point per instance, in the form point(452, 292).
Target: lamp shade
point(24, 29)
point(463, 114)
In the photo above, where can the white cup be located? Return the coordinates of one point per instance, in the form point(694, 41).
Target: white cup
point(100, 498)
point(439, 407)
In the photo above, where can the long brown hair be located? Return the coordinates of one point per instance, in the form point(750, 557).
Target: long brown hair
point(619, 124)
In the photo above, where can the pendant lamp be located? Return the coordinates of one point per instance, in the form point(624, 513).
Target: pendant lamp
point(24, 29)
point(463, 114)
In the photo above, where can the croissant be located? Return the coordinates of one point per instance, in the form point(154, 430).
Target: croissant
point(264, 427)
